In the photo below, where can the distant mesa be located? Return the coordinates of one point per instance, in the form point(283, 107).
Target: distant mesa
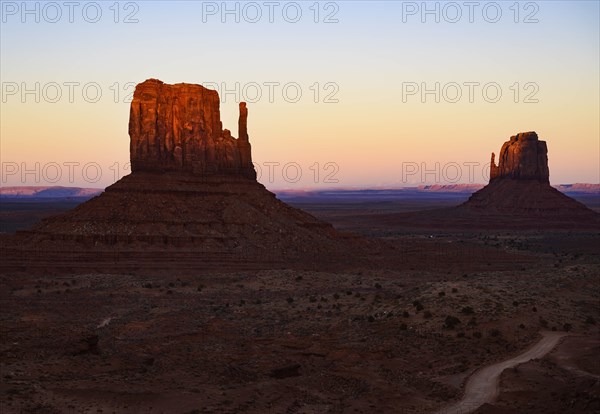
point(54, 192)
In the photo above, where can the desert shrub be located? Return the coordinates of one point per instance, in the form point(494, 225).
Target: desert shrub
point(476, 334)
point(522, 326)
point(336, 296)
point(377, 286)
point(543, 322)
point(534, 309)
point(467, 310)
point(567, 327)
point(371, 318)
point(403, 327)
point(590, 320)
point(290, 299)
point(405, 314)
point(418, 305)
point(441, 294)
point(427, 315)
point(454, 290)
point(312, 299)
point(495, 333)
point(451, 321)
point(516, 303)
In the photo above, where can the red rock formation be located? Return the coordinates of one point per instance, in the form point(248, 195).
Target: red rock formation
point(178, 128)
point(523, 157)
point(192, 200)
point(519, 189)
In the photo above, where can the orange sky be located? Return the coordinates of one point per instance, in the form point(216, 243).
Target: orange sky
point(367, 60)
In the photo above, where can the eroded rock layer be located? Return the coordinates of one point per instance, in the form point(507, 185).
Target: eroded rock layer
point(523, 157)
point(178, 128)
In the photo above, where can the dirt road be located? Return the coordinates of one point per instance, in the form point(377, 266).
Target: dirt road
point(483, 387)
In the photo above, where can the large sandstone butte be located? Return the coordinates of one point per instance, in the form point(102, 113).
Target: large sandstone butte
point(192, 200)
point(519, 187)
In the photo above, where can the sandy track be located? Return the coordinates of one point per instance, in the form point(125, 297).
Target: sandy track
point(483, 386)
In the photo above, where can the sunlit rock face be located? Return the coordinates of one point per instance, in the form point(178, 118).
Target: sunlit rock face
point(523, 157)
point(178, 128)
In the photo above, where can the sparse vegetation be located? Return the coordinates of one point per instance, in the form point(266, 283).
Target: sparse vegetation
point(494, 333)
point(451, 321)
point(467, 310)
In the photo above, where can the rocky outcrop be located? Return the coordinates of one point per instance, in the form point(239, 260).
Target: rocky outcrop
point(178, 128)
point(523, 157)
point(192, 201)
point(519, 191)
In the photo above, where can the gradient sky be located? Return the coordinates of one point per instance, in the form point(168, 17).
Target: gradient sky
point(372, 135)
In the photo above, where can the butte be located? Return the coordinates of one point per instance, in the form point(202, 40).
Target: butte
point(518, 196)
point(519, 188)
point(191, 201)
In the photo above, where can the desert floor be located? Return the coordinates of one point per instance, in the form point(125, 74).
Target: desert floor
point(401, 335)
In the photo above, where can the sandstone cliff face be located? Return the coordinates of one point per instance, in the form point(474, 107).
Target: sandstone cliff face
point(524, 157)
point(178, 128)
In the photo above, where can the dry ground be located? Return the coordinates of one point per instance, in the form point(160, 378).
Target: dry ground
point(374, 339)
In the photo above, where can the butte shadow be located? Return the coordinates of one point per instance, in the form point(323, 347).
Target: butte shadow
point(518, 196)
point(191, 201)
